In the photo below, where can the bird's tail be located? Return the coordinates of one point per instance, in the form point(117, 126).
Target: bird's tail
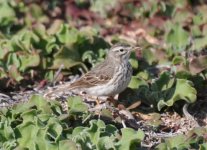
point(60, 89)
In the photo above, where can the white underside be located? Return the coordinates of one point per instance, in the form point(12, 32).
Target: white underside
point(103, 90)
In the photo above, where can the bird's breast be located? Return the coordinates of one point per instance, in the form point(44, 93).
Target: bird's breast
point(119, 82)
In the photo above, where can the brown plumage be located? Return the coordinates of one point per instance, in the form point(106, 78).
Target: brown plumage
point(107, 78)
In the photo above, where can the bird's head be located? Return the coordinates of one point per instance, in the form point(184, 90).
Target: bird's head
point(121, 52)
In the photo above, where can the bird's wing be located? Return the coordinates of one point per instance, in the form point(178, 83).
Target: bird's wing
point(101, 74)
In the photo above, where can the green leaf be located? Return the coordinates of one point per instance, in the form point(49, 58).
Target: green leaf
point(29, 60)
point(68, 57)
point(136, 82)
point(149, 56)
point(13, 60)
point(95, 130)
point(130, 139)
point(67, 35)
point(161, 146)
point(36, 101)
point(162, 83)
point(6, 132)
point(54, 129)
point(133, 61)
point(28, 132)
point(178, 60)
point(106, 143)
point(67, 145)
point(178, 38)
point(177, 142)
point(76, 105)
point(81, 137)
point(182, 90)
point(24, 40)
point(165, 91)
point(7, 14)
point(199, 43)
point(91, 136)
point(40, 103)
point(47, 43)
point(203, 146)
point(29, 116)
point(14, 73)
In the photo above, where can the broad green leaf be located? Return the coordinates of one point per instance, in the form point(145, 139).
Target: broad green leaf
point(44, 117)
point(40, 103)
point(149, 56)
point(29, 60)
point(200, 18)
point(33, 137)
point(78, 130)
point(82, 138)
point(177, 142)
point(76, 105)
point(54, 129)
point(165, 91)
point(7, 14)
point(95, 130)
point(67, 35)
point(29, 116)
point(136, 82)
point(24, 40)
point(6, 132)
point(110, 130)
point(14, 73)
point(89, 56)
point(196, 31)
point(133, 61)
point(68, 57)
point(93, 134)
point(106, 143)
point(182, 90)
point(130, 139)
point(47, 42)
point(161, 146)
point(107, 139)
point(67, 145)
point(203, 146)
point(182, 16)
point(199, 43)
point(8, 145)
point(163, 83)
point(13, 60)
point(178, 60)
point(178, 38)
point(27, 133)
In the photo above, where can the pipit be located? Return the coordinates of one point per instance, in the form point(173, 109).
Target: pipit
point(108, 78)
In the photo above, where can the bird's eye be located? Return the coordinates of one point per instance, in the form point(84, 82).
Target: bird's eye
point(121, 50)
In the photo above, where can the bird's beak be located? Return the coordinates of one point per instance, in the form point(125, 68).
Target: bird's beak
point(136, 48)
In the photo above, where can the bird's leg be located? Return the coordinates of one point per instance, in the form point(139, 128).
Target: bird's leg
point(112, 100)
point(100, 99)
point(97, 101)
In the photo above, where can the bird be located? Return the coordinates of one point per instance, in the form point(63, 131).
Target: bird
point(109, 77)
